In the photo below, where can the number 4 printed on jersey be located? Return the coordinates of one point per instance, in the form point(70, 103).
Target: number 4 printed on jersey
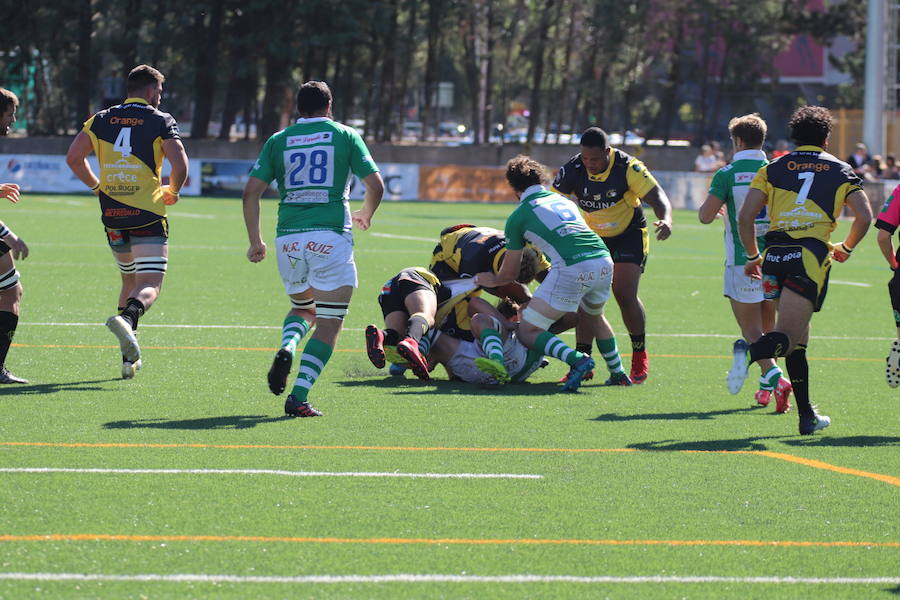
point(123, 142)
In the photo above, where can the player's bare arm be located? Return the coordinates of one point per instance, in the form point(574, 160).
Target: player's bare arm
point(17, 246)
point(886, 245)
point(174, 152)
point(709, 209)
point(862, 219)
point(508, 272)
point(754, 202)
point(10, 191)
point(76, 158)
point(374, 192)
point(662, 208)
point(253, 191)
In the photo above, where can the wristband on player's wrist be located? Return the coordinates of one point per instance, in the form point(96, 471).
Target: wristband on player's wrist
point(753, 258)
point(96, 187)
point(845, 248)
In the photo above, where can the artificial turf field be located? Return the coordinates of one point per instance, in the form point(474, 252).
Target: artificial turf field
point(407, 489)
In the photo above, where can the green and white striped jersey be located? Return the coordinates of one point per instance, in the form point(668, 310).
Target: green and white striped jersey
point(730, 184)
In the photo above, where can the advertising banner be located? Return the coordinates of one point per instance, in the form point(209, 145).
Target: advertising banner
point(451, 183)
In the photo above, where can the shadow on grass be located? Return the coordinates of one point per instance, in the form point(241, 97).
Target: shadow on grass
point(678, 416)
point(230, 422)
point(750, 443)
point(52, 388)
point(854, 441)
point(408, 386)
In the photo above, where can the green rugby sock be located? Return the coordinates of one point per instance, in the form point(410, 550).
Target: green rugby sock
point(292, 331)
point(551, 345)
point(312, 362)
point(491, 344)
point(610, 353)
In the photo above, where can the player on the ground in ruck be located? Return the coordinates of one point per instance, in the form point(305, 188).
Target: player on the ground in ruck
point(806, 191)
point(11, 247)
point(753, 313)
point(887, 223)
point(311, 161)
point(413, 302)
point(580, 275)
point(130, 141)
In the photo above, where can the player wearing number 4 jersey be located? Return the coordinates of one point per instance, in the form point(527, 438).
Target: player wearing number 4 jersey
point(130, 141)
point(311, 161)
point(805, 191)
point(580, 275)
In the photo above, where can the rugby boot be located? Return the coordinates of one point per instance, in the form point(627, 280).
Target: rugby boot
point(783, 396)
point(618, 379)
point(763, 397)
point(7, 377)
point(892, 370)
point(279, 371)
point(129, 369)
point(492, 367)
point(813, 423)
point(640, 366)
point(375, 346)
point(576, 375)
point(739, 367)
point(408, 348)
point(587, 376)
point(128, 343)
point(297, 408)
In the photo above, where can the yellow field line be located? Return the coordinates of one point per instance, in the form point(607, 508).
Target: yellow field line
point(815, 464)
point(357, 350)
point(101, 537)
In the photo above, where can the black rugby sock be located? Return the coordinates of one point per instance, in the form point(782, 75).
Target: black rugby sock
point(134, 309)
point(638, 342)
point(798, 371)
point(770, 345)
point(8, 323)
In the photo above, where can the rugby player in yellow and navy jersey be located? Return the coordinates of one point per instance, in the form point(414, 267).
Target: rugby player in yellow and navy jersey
point(805, 191)
point(130, 141)
point(609, 185)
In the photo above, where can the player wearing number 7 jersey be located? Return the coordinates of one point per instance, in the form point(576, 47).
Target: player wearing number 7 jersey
point(130, 141)
point(580, 277)
point(311, 161)
point(805, 191)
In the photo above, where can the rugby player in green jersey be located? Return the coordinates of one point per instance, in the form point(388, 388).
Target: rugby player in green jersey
point(11, 246)
point(580, 275)
point(753, 313)
point(311, 161)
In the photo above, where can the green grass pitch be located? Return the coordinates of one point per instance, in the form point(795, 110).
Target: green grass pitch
point(189, 482)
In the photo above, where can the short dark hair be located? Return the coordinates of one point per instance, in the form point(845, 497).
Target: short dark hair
point(141, 77)
point(313, 97)
point(531, 262)
point(523, 172)
point(810, 125)
point(750, 129)
point(7, 99)
point(594, 137)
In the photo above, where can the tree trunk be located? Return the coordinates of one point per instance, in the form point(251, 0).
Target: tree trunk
point(205, 68)
point(538, 72)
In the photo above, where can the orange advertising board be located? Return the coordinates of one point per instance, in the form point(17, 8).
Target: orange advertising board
point(453, 183)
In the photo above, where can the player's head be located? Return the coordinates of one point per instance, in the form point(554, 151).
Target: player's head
point(749, 129)
point(314, 99)
point(595, 150)
point(145, 82)
point(8, 105)
point(811, 125)
point(508, 308)
point(522, 172)
point(529, 266)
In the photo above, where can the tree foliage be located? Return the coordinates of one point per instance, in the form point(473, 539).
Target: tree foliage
point(670, 67)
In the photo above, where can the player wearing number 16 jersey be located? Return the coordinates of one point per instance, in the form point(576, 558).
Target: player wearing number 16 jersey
point(311, 161)
point(130, 141)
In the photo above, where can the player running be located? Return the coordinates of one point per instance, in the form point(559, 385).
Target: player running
point(608, 185)
point(12, 248)
point(130, 141)
point(887, 223)
point(805, 191)
point(580, 276)
point(311, 161)
point(753, 313)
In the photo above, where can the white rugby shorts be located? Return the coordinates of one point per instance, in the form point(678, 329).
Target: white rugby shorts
point(462, 364)
point(566, 286)
point(316, 259)
point(740, 287)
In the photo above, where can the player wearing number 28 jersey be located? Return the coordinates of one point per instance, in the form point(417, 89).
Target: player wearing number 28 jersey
point(311, 162)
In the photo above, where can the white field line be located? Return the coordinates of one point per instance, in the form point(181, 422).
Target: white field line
point(413, 238)
point(180, 215)
point(727, 336)
point(410, 578)
point(272, 472)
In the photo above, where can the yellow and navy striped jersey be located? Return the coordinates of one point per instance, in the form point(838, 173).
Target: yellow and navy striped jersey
point(127, 139)
point(805, 190)
point(465, 250)
point(610, 201)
